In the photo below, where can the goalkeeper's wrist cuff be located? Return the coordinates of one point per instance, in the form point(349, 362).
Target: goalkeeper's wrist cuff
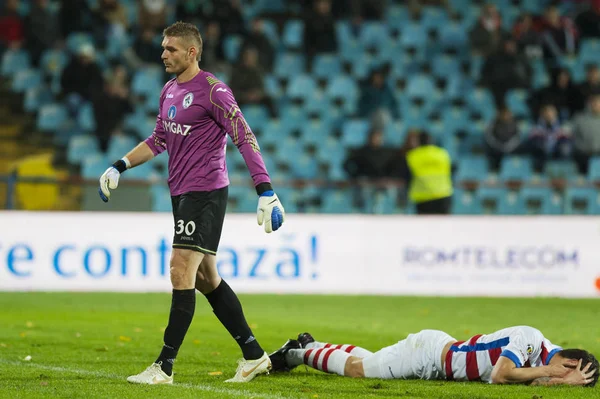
point(262, 187)
point(122, 165)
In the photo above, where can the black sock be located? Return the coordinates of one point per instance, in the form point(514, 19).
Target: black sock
point(228, 309)
point(183, 304)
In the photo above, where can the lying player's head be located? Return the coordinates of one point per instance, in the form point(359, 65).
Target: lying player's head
point(182, 46)
point(586, 357)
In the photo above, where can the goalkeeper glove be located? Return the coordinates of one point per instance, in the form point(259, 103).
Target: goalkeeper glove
point(110, 178)
point(270, 211)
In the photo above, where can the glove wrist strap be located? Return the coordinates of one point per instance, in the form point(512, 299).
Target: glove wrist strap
point(122, 165)
point(262, 187)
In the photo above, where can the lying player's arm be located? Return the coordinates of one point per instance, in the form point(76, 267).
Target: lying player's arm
point(580, 375)
point(506, 372)
point(140, 154)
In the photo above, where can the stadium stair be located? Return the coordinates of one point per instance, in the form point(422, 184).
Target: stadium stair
point(21, 144)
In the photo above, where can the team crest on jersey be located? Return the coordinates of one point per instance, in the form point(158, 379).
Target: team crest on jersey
point(172, 112)
point(188, 99)
point(529, 349)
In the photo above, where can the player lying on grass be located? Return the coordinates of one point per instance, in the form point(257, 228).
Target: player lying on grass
point(519, 355)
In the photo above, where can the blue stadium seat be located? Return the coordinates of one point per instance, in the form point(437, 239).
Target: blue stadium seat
point(420, 86)
point(77, 39)
point(465, 203)
point(444, 65)
point(516, 100)
point(516, 169)
point(319, 105)
point(53, 61)
point(580, 200)
point(456, 119)
point(394, 133)
point(541, 201)
point(345, 35)
point(594, 169)
point(26, 79)
point(292, 117)
point(81, 147)
point(14, 61)
point(304, 166)
point(453, 36)
point(325, 66)
point(147, 81)
point(355, 132)
point(293, 34)
point(384, 202)
point(560, 169)
point(343, 88)
point(256, 116)
point(272, 86)
point(338, 201)
point(232, 45)
point(511, 203)
point(37, 97)
point(472, 168)
point(301, 87)
point(161, 198)
point(120, 145)
point(413, 35)
point(433, 18)
point(288, 65)
point(51, 117)
point(86, 119)
point(314, 132)
point(94, 165)
point(270, 29)
point(589, 50)
point(396, 16)
point(490, 199)
point(373, 34)
point(482, 101)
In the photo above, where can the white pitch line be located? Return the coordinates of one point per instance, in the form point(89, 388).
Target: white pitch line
point(236, 392)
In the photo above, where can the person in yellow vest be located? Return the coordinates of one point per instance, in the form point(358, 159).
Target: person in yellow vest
point(429, 177)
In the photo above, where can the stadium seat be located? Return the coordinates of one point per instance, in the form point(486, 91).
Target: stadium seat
point(304, 166)
point(338, 201)
point(433, 18)
point(53, 61)
point(452, 35)
point(86, 119)
point(256, 116)
point(77, 39)
point(272, 86)
point(231, 48)
point(344, 89)
point(580, 200)
point(94, 165)
point(301, 87)
point(396, 16)
point(81, 146)
point(14, 61)
point(541, 201)
point(511, 203)
point(490, 199)
point(472, 169)
point(326, 66)
point(560, 169)
point(314, 132)
point(36, 97)
point(413, 36)
point(373, 35)
point(516, 100)
point(516, 169)
point(51, 117)
point(465, 203)
point(161, 198)
point(288, 65)
point(120, 145)
point(320, 106)
point(293, 34)
point(355, 133)
point(292, 117)
point(444, 65)
point(594, 169)
point(270, 27)
point(481, 101)
point(394, 133)
point(26, 79)
point(147, 81)
point(420, 86)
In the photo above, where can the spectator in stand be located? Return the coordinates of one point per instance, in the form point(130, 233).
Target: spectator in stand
point(371, 160)
point(111, 105)
point(43, 30)
point(319, 30)
point(247, 82)
point(258, 39)
point(561, 93)
point(559, 34)
point(193, 11)
point(529, 41)
point(588, 22)
point(152, 14)
point(505, 69)
point(502, 137)
point(74, 16)
point(80, 79)
point(590, 86)
point(146, 48)
point(213, 56)
point(228, 13)
point(11, 26)
point(377, 97)
point(486, 37)
point(549, 139)
point(109, 23)
point(586, 134)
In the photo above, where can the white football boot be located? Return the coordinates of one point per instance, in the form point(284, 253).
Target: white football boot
point(152, 375)
point(248, 369)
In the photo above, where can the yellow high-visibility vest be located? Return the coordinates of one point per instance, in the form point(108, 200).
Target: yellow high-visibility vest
point(431, 170)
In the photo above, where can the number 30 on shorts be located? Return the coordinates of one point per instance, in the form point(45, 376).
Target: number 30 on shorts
point(188, 227)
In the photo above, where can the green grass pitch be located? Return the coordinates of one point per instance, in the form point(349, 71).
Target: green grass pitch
point(84, 345)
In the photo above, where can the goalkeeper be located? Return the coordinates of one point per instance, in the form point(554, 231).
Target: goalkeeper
point(196, 113)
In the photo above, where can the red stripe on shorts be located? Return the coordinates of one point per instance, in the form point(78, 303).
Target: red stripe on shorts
point(350, 348)
point(326, 358)
point(472, 366)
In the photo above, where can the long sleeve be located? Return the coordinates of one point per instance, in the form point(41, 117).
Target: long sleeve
point(227, 114)
point(157, 140)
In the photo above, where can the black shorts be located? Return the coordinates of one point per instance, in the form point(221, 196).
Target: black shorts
point(198, 217)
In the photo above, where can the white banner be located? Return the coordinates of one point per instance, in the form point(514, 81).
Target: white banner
point(341, 254)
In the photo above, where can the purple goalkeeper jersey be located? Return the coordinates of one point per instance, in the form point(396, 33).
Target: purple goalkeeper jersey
point(193, 121)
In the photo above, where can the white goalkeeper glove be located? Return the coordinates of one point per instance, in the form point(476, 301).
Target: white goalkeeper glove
point(110, 178)
point(270, 211)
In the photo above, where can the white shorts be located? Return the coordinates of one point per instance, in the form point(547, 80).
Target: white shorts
point(416, 357)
